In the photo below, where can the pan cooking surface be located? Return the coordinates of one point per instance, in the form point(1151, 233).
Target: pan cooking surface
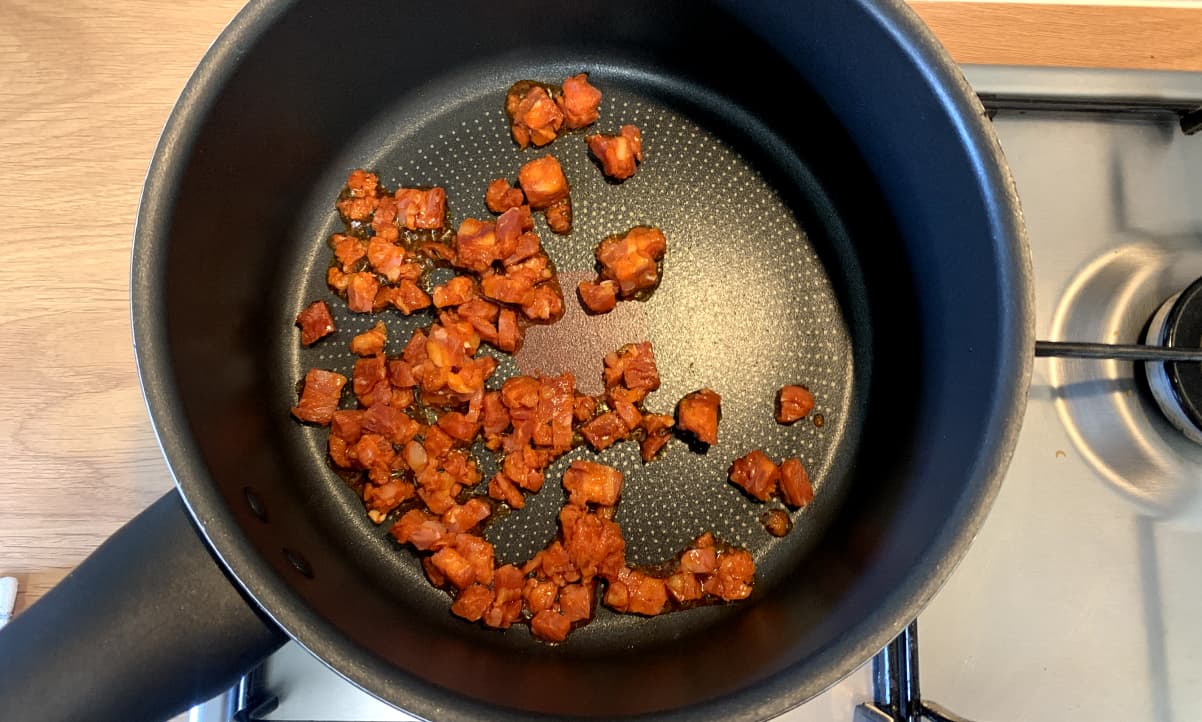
point(746, 306)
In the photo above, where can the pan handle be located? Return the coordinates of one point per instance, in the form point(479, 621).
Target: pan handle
point(144, 628)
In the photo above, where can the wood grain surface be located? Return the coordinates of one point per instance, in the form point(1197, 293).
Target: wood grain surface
point(85, 87)
point(1108, 36)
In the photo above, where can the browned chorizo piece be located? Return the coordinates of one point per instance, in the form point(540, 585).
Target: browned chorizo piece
point(637, 592)
point(361, 196)
point(533, 115)
point(658, 431)
point(370, 342)
point(619, 154)
point(576, 602)
point(777, 522)
point(543, 182)
point(500, 196)
point(698, 413)
point(604, 431)
point(593, 543)
point(588, 482)
point(421, 209)
point(457, 291)
point(361, 292)
point(795, 487)
point(633, 367)
point(598, 296)
point(559, 216)
point(472, 602)
point(755, 474)
point(793, 403)
point(632, 259)
point(319, 398)
point(315, 322)
point(386, 258)
point(579, 102)
point(348, 250)
point(550, 626)
point(734, 576)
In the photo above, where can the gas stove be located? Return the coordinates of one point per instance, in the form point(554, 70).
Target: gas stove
point(1079, 597)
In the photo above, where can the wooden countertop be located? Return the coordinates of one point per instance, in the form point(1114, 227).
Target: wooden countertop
point(85, 88)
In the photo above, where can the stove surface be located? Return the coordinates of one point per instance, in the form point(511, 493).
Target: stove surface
point(1079, 597)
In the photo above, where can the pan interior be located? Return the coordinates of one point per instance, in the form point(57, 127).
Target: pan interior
point(759, 290)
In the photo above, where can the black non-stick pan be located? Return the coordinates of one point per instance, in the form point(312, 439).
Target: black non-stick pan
point(838, 214)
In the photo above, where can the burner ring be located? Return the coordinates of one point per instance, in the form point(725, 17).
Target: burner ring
point(1177, 387)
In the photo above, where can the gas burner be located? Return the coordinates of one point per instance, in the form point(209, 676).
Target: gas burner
point(1116, 425)
point(1177, 387)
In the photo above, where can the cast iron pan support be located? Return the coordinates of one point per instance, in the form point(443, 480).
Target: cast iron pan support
point(895, 685)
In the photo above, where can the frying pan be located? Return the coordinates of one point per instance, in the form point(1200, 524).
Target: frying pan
point(838, 214)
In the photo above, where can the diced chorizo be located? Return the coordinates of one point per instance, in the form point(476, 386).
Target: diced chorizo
point(467, 516)
point(793, 403)
point(383, 498)
point(593, 542)
point(634, 367)
point(476, 245)
point(619, 154)
point(501, 196)
point(545, 304)
point(337, 280)
point(734, 576)
point(421, 209)
point(583, 408)
point(588, 482)
point(370, 342)
point(507, 602)
point(504, 490)
point(517, 290)
point(400, 374)
point(458, 290)
point(315, 322)
point(604, 431)
point(391, 423)
point(455, 567)
point(421, 529)
point(509, 334)
point(579, 102)
point(543, 182)
point(636, 592)
point(410, 297)
point(755, 474)
point(361, 292)
point(369, 374)
point(359, 199)
point(632, 259)
point(319, 398)
point(795, 487)
point(657, 428)
point(598, 296)
point(472, 602)
point(559, 216)
point(347, 424)
point(436, 577)
point(684, 587)
point(386, 259)
point(458, 426)
point(550, 626)
point(349, 250)
point(528, 245)
point(576, 602)
point(698, 413)
point(539, 595)
point(480, 555)
point(534, 116)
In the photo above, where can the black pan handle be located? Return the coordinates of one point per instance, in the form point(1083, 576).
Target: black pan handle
point(1120, 351)
point(144, 628)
